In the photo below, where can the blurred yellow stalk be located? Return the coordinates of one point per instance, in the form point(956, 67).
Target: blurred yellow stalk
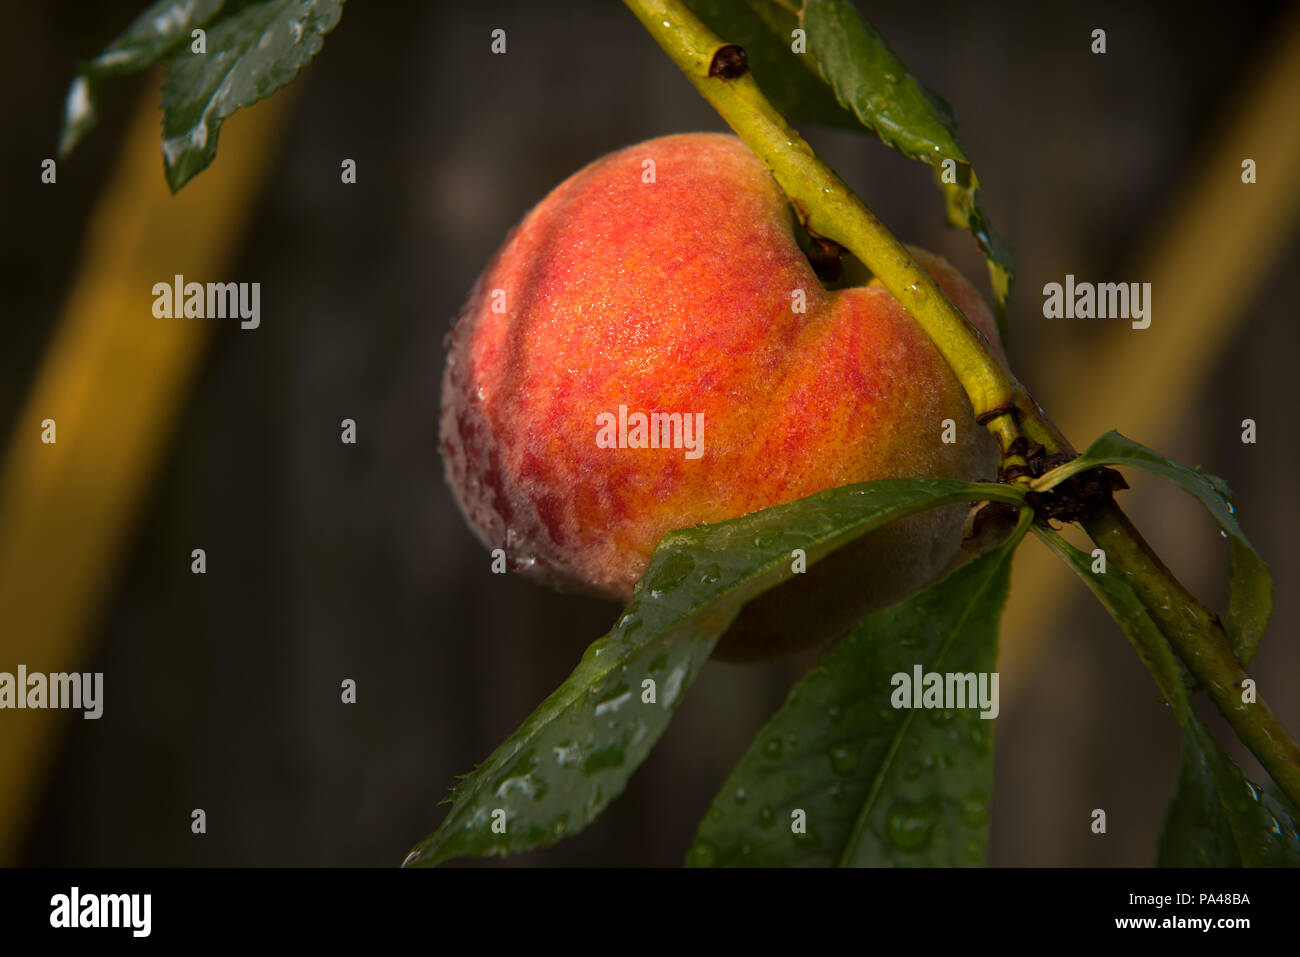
point(114, 379)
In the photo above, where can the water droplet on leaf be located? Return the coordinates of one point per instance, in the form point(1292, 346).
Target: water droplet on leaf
point(911, 824)
point(844, 760)
point(703, 854)
point(671, 574)
point(975, 809)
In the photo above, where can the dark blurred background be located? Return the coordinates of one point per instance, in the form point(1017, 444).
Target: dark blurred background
point(328, 561)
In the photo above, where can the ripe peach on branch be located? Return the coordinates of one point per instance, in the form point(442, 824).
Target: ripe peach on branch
point(666, 279)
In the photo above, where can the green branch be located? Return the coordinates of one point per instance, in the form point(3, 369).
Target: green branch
point(828, 208)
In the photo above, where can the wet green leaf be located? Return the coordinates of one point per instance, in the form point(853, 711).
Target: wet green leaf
point(870, 80)
point(1251, 598)
point(251, 49)
point(156, 32)
point(1216, 817)
point(251, 53)
point(875, 784)
point(575, 753)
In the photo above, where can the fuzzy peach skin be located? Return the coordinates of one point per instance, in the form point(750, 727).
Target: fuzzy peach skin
point(676, 296)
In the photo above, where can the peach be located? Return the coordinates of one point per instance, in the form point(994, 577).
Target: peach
point(666, 279)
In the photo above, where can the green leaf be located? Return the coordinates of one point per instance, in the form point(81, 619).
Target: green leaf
point(575, 753)
point(1218, 818)
point(251, 50)
point(251, 53)
point(870, 80)
point(1251, 598)
point(790, 80)
point(156, 32)
point(878, 785)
